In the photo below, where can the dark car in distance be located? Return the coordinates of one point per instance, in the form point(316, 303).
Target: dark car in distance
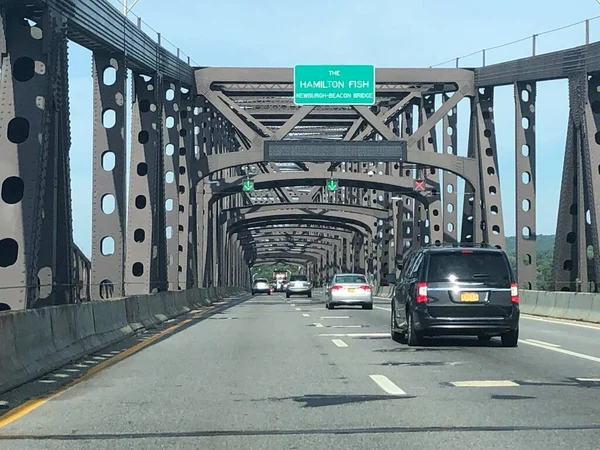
point(458, 290)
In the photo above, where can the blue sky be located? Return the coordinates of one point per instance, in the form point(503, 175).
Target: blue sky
point(269, 33)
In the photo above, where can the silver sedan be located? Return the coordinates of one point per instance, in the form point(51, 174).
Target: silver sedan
point(349, 289)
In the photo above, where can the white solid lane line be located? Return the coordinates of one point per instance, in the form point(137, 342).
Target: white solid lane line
point(384, 383)
point(535, 341)
point(562, 350)
point(339, 343)
point(383, 309)
point(306, 315)
point(355, 334)
point(589, 380)
point(590, 326)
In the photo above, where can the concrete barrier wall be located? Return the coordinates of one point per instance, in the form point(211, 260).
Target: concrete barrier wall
point(561, 305)
point(34, 342)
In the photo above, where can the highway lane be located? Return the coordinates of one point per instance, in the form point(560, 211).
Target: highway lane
point(270, 373)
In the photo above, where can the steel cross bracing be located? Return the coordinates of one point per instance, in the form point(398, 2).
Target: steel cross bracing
point(197, 134)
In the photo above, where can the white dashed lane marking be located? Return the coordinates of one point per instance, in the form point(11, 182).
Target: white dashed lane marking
point(318, 325)
point(485, 383)
point(388, 386)
point(589, 380)
point(339, 343)
point(335, 317)
point(298, 309)
point(306, 315)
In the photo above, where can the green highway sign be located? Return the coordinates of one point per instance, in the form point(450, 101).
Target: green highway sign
point(332, 184)
point(334, 85)
point(248, 185)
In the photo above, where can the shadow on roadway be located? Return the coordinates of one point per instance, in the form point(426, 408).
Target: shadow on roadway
point(318, 400)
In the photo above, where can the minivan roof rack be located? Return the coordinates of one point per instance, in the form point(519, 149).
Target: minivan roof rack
point(460, 244)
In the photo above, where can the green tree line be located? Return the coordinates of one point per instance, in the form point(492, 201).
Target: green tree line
point(545, 252)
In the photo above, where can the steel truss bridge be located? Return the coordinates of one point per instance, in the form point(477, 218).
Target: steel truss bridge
point(180, 218)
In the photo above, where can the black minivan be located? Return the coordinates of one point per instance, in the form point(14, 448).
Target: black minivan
point(459, 290)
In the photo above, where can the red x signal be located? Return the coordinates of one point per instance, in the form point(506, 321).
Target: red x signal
point(419, 185)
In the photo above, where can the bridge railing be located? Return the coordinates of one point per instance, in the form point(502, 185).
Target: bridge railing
point(561, 38)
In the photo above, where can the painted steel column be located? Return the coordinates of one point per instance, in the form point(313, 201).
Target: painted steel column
point(449, 145)
point(109, 165)
point(469, 211)
point(185, 210)
point(32, 158)
point(409, 223)
point(433, 214)
point(525, 189)
point(145, 230)
point(56, 275)
point(171, 95)
point(576, 251)
point(490, 196)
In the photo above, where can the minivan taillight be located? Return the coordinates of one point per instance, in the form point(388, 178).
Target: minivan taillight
point(514, 293)
point(336, 287)
point(364, 287)
point(421, 292)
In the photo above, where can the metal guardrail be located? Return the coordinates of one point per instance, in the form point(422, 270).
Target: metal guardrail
point(100, 26)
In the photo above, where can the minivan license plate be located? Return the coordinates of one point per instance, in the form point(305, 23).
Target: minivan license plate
point(469, 297)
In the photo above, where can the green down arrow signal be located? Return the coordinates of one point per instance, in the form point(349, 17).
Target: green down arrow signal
point(332, 184)
point(248, 185)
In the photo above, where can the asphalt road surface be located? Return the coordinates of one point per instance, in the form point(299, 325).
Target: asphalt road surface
point(274, 374)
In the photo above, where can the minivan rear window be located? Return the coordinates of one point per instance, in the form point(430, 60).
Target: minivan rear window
point(261, 280)
point(298, 278)
point(463, 266)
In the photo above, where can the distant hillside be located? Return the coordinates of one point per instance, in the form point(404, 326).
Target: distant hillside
point(545, 252)
point(545, 244)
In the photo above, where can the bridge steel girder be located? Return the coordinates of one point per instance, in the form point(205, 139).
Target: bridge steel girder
point(345, 179)
point(36, 246)
point(576, 265)
point(366, 218)
point(361, 222)
point(355, 246)
point(377, 213)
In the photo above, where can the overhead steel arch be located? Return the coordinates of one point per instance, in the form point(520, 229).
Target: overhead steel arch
point(378, 213)
point(295, 222)
point(363, 221)
point(389, 183)
point(301, 231)
point(291, 241)
point(463, 167)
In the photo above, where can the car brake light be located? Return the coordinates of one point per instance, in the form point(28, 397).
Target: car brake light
point(421, 292)
point(336, 287)
point(364, 287)
point(514, 293)
point(467, 251)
